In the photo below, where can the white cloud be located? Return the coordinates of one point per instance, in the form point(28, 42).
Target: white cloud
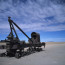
point(33, 15)
point(35, 27)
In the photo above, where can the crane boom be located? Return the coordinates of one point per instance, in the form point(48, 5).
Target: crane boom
point(11, 23)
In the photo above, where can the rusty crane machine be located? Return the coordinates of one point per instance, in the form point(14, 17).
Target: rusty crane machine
point(15, 47)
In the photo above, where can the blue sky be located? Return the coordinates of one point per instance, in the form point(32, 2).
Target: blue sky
point(46, 17)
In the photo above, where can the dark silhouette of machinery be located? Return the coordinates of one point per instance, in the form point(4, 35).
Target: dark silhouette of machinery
point(15, 47)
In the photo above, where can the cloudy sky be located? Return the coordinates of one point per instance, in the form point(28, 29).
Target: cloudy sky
point(46, 17)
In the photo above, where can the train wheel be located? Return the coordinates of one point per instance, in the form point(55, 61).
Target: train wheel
point(29, 50)
point(39, 49)
point(2, 55)
point(17, 55)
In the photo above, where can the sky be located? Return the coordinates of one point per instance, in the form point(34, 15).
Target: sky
point(46, 17)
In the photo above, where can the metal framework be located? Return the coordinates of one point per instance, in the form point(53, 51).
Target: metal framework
point(15, 47)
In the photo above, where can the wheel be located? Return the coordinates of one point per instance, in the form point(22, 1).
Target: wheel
point(39, 49)
point(17, 55)
point(2, 55)
point(29, 50)
point(34, 48)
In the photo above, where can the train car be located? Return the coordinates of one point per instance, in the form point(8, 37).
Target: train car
point(15, 47)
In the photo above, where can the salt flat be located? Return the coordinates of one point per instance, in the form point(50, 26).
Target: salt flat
point(53, 54)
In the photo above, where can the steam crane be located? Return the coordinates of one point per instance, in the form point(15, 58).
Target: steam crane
point(15, 47)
